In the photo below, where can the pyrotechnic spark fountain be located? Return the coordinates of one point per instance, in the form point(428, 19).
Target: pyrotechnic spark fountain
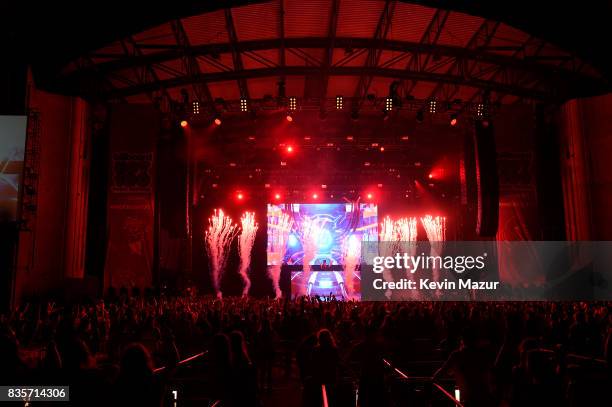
point(435, 228)
point(351, 257)
point(245, 244)
point(406, 231)
point(388, 246)
point(387, 234)
point(397, 237)
point(436, 234)
point(311, 231)
point(278, 232)
point(218, 239)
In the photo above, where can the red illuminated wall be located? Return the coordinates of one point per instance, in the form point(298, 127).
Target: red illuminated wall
point(586, 144)
point(51, 247)
point(133, 135)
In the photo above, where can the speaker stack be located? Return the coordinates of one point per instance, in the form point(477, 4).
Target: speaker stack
point(481, 179)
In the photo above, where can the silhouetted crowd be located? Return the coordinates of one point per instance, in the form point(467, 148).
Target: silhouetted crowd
point(127, 349)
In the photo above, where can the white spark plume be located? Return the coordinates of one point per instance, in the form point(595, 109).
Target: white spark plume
point(406, 229)
point(435, 228)
point(278, 232)
point(387, 246)
point(245, 244)
point(351, 258)
point(387, 233)
point(436, 234)
point(396, 237)
point(217, 240)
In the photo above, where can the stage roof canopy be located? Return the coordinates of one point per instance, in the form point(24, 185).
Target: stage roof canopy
point(318, 49)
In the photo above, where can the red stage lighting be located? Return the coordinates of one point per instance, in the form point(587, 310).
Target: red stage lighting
point(240, 196)
point(382, 149)
point(370, 196)
point(289, 118)
point(184, 123)
point(453, 120)
point(430, 175)
point(277, 196)
point(290, 149)
point(315, 196)
point(217, 121)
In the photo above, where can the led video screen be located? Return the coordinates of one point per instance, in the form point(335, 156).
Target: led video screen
point(324, 234)
point(12, 146)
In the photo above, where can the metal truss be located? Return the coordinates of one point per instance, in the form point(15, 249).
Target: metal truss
point(236, 56)
point(190, 63)
point(374, 53)
point(467, 68)
point(329, 52)
point(146, 74)
point(524, 73)
point(430, 37)
point(507, 84)
point(327, 104)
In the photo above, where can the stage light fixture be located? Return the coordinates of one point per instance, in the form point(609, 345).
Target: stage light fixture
point(349, 138)
point(339, 102)
point(315, 196)
point(481, 110)
point(184, 123)
point(389, 104)
point(370, 196)
point(289, 149)
point(382, 149)
point(453, 119)
point(292, 103)
point(433, 105)
point(240, 196)
point(430, 176)
point(277, 196)
point(405, 138)
point(217, 120)
point(420, 116)
point(244, 106)
point(195, 107)
point(289, 117)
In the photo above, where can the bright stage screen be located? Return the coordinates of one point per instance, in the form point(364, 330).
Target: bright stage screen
point(12, 146)
point(324, 233)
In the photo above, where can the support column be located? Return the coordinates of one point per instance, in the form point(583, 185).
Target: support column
point(76, 206)
point(574, 172)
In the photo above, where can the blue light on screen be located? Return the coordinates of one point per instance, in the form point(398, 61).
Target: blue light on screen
point(344, 226)
point(293, 241)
